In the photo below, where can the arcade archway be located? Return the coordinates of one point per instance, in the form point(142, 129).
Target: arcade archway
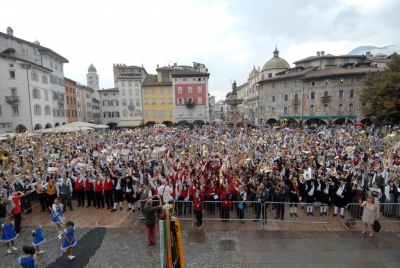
point(20, 129)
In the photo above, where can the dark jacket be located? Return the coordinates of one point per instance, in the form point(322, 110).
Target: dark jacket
point(150, 216)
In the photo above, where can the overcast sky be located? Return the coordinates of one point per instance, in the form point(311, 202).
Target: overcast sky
point(229, 37)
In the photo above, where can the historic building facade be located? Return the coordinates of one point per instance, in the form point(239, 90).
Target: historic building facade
point(109, 107)
point(70, 97)
point(157, 97)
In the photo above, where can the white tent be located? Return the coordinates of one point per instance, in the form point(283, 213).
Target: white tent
point(100, 126)
point(78, 124)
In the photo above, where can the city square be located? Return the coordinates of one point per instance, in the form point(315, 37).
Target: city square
point(200, 134)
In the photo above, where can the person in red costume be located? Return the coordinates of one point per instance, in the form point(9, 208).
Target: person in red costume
point(198, 201)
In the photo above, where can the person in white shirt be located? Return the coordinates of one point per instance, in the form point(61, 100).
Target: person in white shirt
point(165, 190)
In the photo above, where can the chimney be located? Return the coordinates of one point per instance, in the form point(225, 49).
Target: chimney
point(322, 53)
point(318, 54)
point(368, 54)
point(10, 31)
point(158, 66)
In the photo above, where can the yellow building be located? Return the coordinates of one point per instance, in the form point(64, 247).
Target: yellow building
point(157, 97)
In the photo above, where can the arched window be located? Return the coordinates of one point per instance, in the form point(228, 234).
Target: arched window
point(125, 113)
point(273, 98)
point(340, 107)
point(130, 92)
point(131, 102)
point(123, 92)
point(296, 96)
point(312, 109)
point(326, 93)
point(286, 97)
point(124, 102)
point(137, 113)
point(296, 109)
point(325, 108)
point(351, 107)
point(351, 95)
point(285, 110)
point(341, 93)
point(312, 96)
point(273, 110)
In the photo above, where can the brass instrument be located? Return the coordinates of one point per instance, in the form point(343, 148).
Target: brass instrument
point(4, 156)
point(258, 193)
point(205, 150)
point(386, 162)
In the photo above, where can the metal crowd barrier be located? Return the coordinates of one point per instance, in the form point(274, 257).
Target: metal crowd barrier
point(309, 213)
point(28, 202)
point(220, 211)
point(182, 209)
point(388, 213)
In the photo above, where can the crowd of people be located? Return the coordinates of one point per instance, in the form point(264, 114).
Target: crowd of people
point(102, 169)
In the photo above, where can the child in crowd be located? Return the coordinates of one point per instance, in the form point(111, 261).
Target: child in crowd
point(69, 239)
point(29, 259)
point(38, 238)
point(9, 234)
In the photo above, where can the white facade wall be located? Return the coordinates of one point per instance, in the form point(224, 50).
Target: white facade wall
point(130, 99)
point(109, 112)
point(29, 92)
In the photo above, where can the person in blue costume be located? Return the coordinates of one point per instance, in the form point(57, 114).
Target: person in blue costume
point(9, 234)
point(29, 259)
point(38, 238)
point(69, 239)
point(57, 216)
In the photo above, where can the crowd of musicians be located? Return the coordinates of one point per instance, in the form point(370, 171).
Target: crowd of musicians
point(308, 170)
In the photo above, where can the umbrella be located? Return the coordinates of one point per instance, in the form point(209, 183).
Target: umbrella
point(358, 124)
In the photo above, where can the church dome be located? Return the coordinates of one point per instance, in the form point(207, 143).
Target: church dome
point(276, 62)
point(92, 69)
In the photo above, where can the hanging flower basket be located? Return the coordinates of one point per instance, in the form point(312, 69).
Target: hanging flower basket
point(190, 104)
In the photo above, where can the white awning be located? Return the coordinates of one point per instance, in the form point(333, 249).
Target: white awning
point(130, 123)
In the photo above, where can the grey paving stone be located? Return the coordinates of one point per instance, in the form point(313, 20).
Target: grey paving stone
point(370, 255)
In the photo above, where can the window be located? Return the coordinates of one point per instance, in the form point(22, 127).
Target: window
point(34, 76)
point(137, 102)
point(199, 89)
point(326, 94)
point(199, 100)
point(331, 61)
point(56, 67)
point(344, 61)
point(311, 108)
point(136, 84)
point(169, 100)
point(170, 113)
point(1, 112)
point(351, 107)
point(165, 77)
point(325, 108)
point(37, 110)
point(153, 101)
point(307, 64)
point(15, 111)
point(286, 97)
point(45, 80)
point(36, 50)
point(125, 113)
point(106, 103)
point(146, 101)
point(312, 95)
point(114, 103)
point(296, 109)
point(115, 114)
point(352, 80)
point(162, 113)
point(179, 101)
point(351, 95)
point(38, 62)
point(123, 102)
point(161, 91)
point(273, 110)
point(123, 92)
point(286, 84)
point(273, 85)
point(190, 91)
point(273, 98)
point(285, 110)
point(130, 92)
point(312, 83)
point(146, 114)
point(24, 49)
point(340, 93)
point(145, 91)
point(130, 102)
point(154, 113)
point(340, 107)
point(47, 110)
point(269, 75)
point(51, 64)
point(296, 83)
point(179, 90)
point(170, 90)
point(189, 100)
point(36, 93)
point(123, 83)
point(12, 74)
point(162, 101)
point(153, 91)
point(137, 92)
point(130, 83)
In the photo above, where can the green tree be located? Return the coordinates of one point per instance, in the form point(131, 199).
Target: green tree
point(382, 93)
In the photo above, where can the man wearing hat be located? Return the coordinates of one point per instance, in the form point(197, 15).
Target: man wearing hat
point(341, 197)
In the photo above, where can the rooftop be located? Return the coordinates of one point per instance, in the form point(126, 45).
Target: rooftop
point(329, 56)
point(334, 71)
point(151, 80)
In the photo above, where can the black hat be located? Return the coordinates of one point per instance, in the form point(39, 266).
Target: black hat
point(342, 179)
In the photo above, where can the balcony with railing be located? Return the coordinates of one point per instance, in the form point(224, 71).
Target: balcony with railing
point(12, 99)
point(325, 99)
point(296, 102)
point(60, 100)
point(131, 107)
